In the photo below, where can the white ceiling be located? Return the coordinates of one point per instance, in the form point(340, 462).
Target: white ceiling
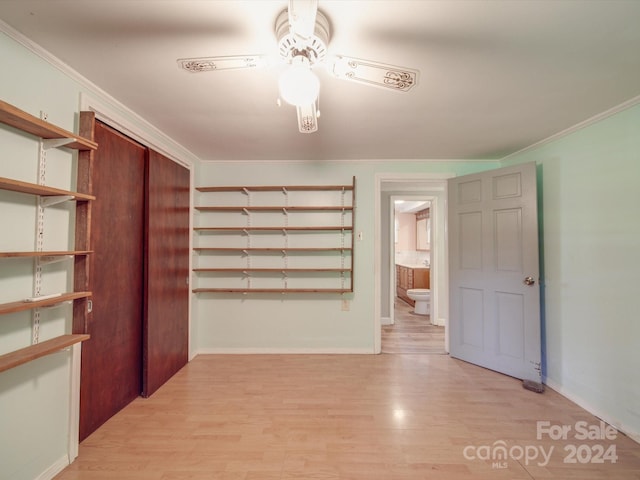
point(495, 76)
point(410, 206)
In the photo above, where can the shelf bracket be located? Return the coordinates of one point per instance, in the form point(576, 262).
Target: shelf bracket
point(50, 201)
point(284, 211)
point(59, 304)
point(49, 143)
point(245, 190)
point(246, 212)
point(49, 259)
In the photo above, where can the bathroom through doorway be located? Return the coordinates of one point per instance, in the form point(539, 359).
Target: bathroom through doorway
point(410, 327)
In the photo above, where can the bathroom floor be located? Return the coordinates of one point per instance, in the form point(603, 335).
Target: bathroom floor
point(411, 333)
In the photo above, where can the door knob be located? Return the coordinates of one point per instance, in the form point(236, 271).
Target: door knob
point(529, 281)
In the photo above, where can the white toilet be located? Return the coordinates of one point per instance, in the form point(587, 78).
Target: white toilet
point(422, 297)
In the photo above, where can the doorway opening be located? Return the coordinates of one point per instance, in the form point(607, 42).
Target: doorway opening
point(389, 309)
point(410, 328)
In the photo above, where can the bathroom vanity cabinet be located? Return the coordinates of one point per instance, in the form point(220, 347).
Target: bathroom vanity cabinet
point(408, 277)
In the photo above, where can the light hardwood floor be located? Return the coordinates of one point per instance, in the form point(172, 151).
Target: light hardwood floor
point(411, 333)
point(346, 417)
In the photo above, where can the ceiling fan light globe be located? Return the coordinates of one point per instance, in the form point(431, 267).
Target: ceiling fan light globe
point(298, 85)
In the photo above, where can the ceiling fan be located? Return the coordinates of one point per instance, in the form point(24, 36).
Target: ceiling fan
point(303, 36)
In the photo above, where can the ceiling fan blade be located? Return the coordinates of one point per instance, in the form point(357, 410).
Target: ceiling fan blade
point(302, 17)
point(206, 64)
point(307, 118)
point(400, 79)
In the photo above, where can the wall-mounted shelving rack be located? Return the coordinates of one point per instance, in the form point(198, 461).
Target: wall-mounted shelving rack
point(275, 239)
point(44, 253)
point(27, 354)
point(50, 136)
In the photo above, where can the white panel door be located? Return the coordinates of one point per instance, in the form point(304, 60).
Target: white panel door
point(493, 271)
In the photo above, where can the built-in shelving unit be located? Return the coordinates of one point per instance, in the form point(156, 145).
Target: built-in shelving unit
point(272, 229)
point(275, 239)
point(57, 253)
point(272, 209)
point(26, 122)
point(270, 290)
point(50, 136)
point(22, 305)
point(268, 249)
point(27, 354)
point(42, 190)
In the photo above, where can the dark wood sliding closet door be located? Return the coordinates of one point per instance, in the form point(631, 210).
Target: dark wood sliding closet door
point(112, 358)
point(166, 322)
point(139, 233)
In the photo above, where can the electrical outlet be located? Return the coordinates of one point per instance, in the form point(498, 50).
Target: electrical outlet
point(345, 304)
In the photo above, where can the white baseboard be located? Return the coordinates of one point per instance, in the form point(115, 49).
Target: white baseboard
point(621, 427)
point(385, 321)
point(55, 469)
point(440, 322)
point(285, 351)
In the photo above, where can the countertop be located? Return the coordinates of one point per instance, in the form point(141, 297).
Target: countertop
point(413, 266)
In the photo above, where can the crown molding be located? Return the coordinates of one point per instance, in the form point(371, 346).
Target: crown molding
point(578, 126)
point(174, 150)
point(118, 117)
point(367, 161)
point(107, 107)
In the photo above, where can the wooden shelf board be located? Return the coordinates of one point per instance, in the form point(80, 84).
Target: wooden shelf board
point(271, 270)
point(32, 352)
point(44, 254)
point(35, 189)
point(21, 120)
point(248, 230)
point(19, 306)
point(271, 249)
point(272, 229)
point(272, 290)
point(274, 208)
point(275, 188)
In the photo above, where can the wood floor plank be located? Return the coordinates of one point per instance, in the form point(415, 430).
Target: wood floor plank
point(411, 333)
point(342, 417)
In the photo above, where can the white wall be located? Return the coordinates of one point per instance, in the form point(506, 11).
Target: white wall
point(295, 322)
point(35, 397)
point(590, 204)
point(591, 234)
point(406, 239)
